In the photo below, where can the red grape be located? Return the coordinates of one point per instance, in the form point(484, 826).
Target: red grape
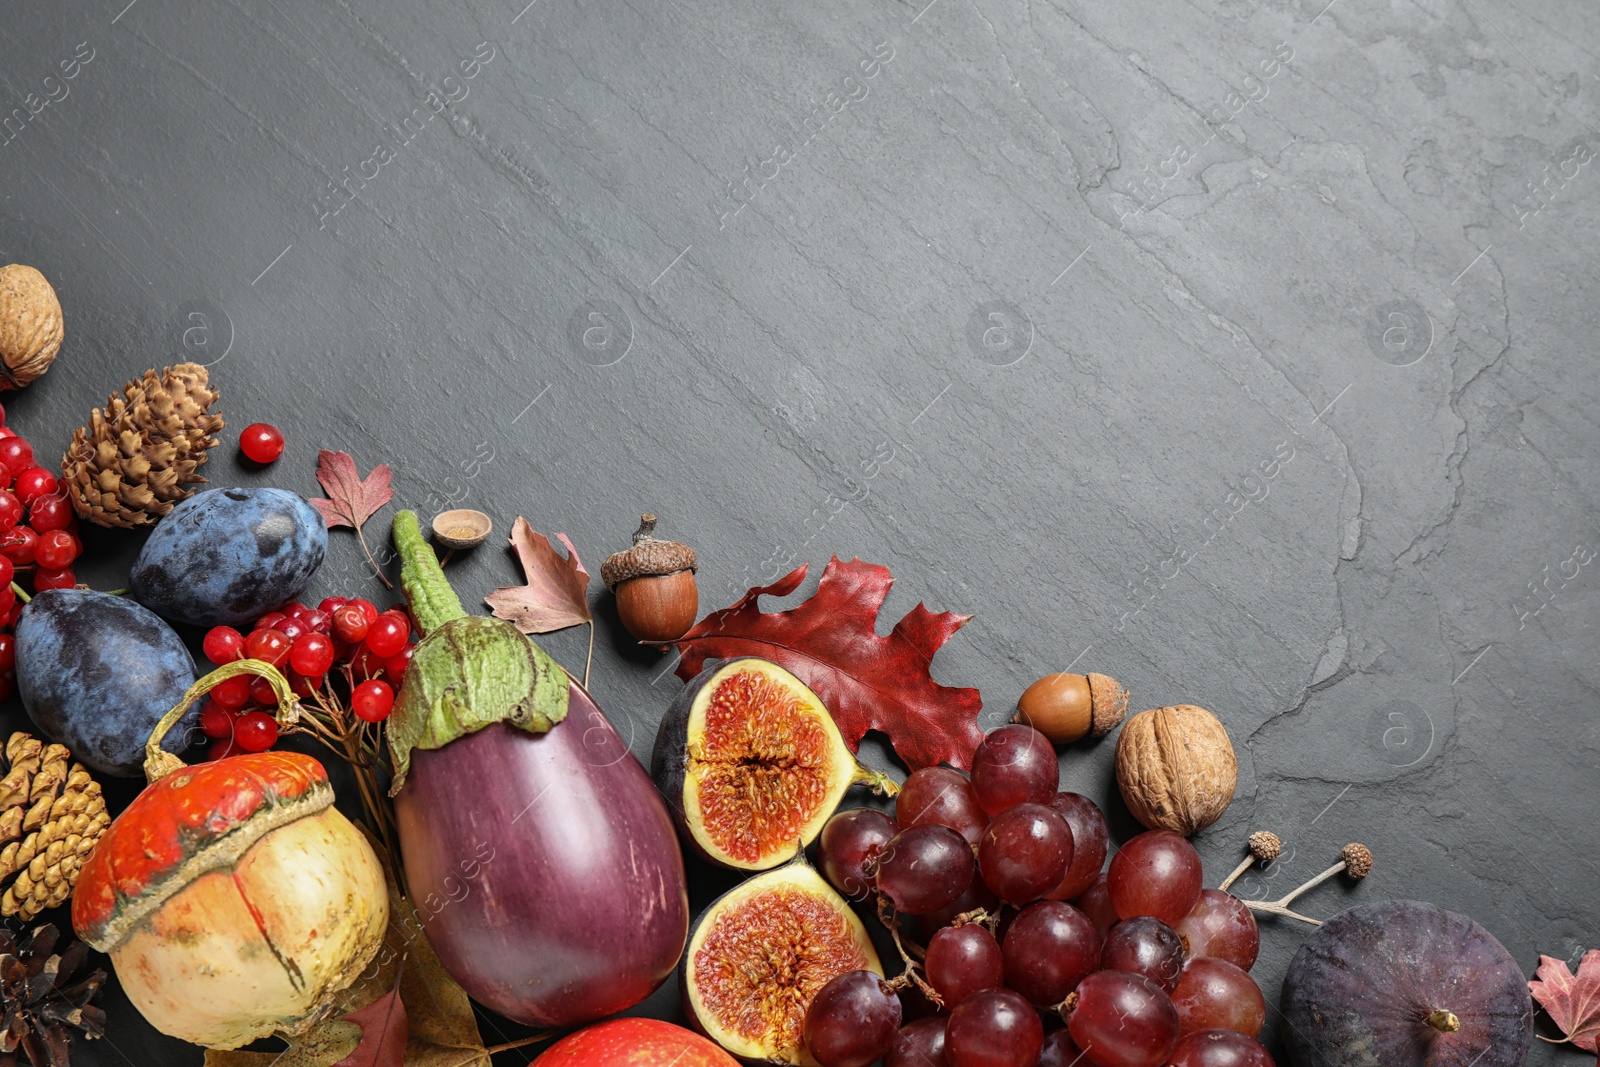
point(1089, 839)
point(977, 896)
point(16, 455)
point(1049, 949)
point(350, 623)
point(924, 868)
point(270, 646)
point(18, 545)
point(1060, 1051)
point(1157, 873)
point(920, 1044)
point(963, 960)
point(849, 839)
point(1125, 1019)
point(372, 701)
point(261, 442)
point(1220, 925)
point(232, 693)
point(223, 644)
point(1213, 994)
point(1014, 765)
point(311, 654)
point(214, 721)
point(56, 550)
point(1218, 1048)
point(1024, 852)
point(388, 633)
point(1145, 946)
point(34, 483)
point(255, 731)
point(60, 579)
point(943, 797)
point(53, 512)
point(1095, 902)
point(994, 1028)
point(852, 1022)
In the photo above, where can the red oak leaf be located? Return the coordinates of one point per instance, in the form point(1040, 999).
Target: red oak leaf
point(384, 1029)
point(868, 682)
point(1573, 1000)
point(352, 499)
point(556, 595)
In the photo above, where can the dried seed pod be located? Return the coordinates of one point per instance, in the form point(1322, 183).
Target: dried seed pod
point(1176, 768)
point(30, 325)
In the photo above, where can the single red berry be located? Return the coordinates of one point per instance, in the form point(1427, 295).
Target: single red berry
point(8, 685)
point(8, 570)
point(303, 686)
point(55, 550)
point(64, 578)
point(292, 628)
point(2, 415)
point(268, 645)
point(318, 620)
point(233, 693)
point(394, 668)
point(367, 607)
point(6, 431)
point(388, 634)
point(372, 701)
point(269, 620)
point(52, 512)
point(350, 624)
point(11, 510)
point(16, 614)
point(293, 609)
point(214, 721)
point(256, 731)
point(8, 599)
point(262, 693)
point(312, 654)
point(223, 644)
point(18, 545)
point(8, 652)
point(332, 604)
point(261, 442)
point(16, 455)
point(223, 748)
point(366, 664)
point(35, 483)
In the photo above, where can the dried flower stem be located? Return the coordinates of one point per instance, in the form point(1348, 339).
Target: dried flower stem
point(1356, 860)
point(377, 570)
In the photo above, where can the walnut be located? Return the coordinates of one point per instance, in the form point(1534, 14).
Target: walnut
point(30, 325)
point(1176, 768)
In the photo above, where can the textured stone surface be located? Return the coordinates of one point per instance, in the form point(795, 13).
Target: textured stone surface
point(1242, 351)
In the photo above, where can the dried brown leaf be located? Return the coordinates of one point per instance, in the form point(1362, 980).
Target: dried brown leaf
point(556, 594)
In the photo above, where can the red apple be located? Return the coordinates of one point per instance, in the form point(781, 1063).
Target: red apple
point(634, 1043)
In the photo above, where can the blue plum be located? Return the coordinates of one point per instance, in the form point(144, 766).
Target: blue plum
point(96, 672)
point(227, 556)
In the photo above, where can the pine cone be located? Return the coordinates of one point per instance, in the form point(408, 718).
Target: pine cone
point(40, 1008)
point(51, 815)
point(137, 457)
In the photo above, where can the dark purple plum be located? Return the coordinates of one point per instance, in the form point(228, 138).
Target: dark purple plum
point(96, 672)
point(1405, 983)
point(226, 556)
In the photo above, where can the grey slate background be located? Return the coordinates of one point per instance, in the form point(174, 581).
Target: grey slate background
point(1028, 301)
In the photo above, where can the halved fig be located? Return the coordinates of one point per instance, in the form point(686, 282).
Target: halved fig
point(752, 765)
point(761, 952)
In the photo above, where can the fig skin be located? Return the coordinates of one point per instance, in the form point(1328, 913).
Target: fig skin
point(1359, 992)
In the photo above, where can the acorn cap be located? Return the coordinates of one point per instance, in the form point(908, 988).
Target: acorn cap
point(1108, 703)
point(648, 558)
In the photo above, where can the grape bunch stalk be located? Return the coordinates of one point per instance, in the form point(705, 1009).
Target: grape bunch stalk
point(1022, 947)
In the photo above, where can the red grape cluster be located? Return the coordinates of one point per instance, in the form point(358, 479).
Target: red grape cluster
point(38, 535)
point(350, 637)
point(1024, 929)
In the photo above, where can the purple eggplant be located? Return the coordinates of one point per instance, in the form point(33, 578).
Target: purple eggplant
point(542, 862)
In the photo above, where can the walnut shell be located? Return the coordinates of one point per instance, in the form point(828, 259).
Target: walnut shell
point(1176, 768)
point(30, 325)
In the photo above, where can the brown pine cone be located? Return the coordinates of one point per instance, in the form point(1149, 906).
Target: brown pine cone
point(41, 1004)
point(138, 456)
point(51, 815)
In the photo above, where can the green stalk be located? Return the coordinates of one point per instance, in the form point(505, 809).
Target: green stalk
point(433, 602)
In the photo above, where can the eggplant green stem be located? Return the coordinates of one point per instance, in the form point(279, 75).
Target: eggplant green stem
point(433, 602)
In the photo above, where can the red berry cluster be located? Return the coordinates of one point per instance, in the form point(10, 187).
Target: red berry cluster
point(1025, 929)
point(371, 650)
point(38, 535)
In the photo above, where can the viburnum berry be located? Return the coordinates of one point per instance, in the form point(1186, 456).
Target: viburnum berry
point(214, 721)
point(366, 664)
point(18, 545)
point(261, 442)
point(232, 693)
point(302, 686)
point(8, 652)
point(350, 623)
point(292, 628)
point(270, 646)
point(318, 620)
point(372, 700)
point(332, 604)
point(223, 644)
point(8, 599)
point(11, 510)
point(223, 747)
point(294, 609)
point(394, 668)
point(53, 512)
point(312, 654)
point(35, 483)
point(8, 570)
point(16, 455)
point(262, 693)
point(269, 620)
point(388, 634)
point(256, 731)
point(64, 578)
point(55, 550)
point(368, 608)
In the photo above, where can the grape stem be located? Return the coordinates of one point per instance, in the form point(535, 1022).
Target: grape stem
point(912, 974)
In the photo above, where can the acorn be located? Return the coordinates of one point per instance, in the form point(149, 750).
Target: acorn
point(1068, 707)
point(654, 583)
